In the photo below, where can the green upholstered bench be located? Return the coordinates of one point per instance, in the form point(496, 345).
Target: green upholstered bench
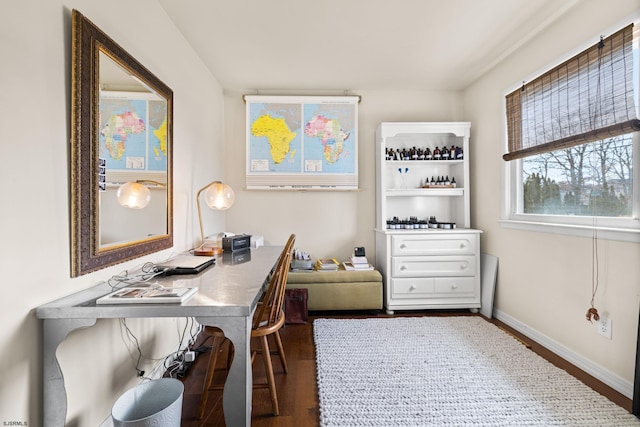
point(339, 290)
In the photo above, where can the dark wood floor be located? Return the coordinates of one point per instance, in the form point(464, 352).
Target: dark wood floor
point(297, 392)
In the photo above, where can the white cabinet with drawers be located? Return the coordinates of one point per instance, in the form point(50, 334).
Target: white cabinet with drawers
point(433, 269)
point(425, 267)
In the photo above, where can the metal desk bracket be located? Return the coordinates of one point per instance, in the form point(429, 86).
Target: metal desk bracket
point(54, 393)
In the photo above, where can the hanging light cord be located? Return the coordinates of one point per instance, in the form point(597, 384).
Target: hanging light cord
point(592, 313)
point(594, 239)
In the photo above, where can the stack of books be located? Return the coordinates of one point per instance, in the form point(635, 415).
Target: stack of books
point(327, 264)
point(357, 263)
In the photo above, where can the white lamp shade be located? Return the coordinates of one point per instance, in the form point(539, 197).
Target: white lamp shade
point(134, 195)
point(219, 196)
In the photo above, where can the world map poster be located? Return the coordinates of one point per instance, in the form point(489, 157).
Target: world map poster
point(133, 131)
point(302, 142)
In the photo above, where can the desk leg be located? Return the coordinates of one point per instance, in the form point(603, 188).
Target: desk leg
point(54, 403)
point(238, 389)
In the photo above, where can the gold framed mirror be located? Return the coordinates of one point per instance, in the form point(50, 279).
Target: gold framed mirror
point(121, 133)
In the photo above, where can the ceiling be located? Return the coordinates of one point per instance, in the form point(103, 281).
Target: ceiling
point(347, 45)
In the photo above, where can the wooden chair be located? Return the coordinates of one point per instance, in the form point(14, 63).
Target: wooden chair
point(267, 321)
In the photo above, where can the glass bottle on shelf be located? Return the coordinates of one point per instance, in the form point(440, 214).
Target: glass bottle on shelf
point(436, 153)
point(388, 154)
point(427, 154)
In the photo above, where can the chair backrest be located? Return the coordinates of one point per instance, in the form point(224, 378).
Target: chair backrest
point(279, 300)
point(270, 310)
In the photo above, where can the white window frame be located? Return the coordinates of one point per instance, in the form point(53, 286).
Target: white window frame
point(608, 228)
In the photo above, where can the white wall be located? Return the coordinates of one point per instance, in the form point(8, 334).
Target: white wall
point(35, 99)
point(544, 280)
point(327, 224)
point(121, 224)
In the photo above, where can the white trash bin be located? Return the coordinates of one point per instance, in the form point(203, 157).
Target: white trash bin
point(154, 403)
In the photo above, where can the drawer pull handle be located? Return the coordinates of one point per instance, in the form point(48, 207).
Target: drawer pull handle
point(463, 245)
point(412, 287)
point(403, 267)
point(454, 286)
point(402, 246)
point(463, 267)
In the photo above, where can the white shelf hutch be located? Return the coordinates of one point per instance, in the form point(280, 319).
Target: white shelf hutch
point(425, 268)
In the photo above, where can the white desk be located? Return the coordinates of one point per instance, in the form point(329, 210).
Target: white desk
point(227, 297)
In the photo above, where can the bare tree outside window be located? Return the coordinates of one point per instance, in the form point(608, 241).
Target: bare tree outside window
point(593, 179)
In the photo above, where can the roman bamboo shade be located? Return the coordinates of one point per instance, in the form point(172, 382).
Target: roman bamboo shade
point(587, 98)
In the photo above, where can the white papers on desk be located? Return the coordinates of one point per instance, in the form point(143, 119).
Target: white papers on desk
point(132, 295)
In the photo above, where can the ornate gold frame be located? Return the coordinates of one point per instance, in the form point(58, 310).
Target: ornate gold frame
point(87, 256)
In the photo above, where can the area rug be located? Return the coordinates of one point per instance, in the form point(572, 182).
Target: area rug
point(445, 371)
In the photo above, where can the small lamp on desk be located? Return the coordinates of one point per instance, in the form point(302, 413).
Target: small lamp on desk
point(136, 194)
point(219, 196)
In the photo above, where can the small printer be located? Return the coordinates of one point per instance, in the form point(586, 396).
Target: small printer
point(236, 243)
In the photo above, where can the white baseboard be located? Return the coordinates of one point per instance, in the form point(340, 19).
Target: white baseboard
point(107, 422)
point(609, 378)
point(159, 370)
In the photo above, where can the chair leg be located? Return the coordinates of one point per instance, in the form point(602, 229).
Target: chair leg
point(283, 359)
point(230, 355)
point(213, 357)
point(269, 371)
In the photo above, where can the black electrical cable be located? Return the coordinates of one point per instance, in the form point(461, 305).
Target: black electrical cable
point(126, 327)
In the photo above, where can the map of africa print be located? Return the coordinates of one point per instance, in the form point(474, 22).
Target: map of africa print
point(302, 142)
point(133, 132)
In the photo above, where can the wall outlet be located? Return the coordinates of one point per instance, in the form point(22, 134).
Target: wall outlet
point(604, 326)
